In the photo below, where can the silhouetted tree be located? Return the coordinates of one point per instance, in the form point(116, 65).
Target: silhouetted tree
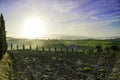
point(42, 48)
point(49, 49)
point(30, 47)
point(107, 49)
point(114, 48)
point(72, 49)
point(67, 49)
point(36, 47)
point(90, 50)
point(11, 46)
point(3, 43)
point(99, 48)
point(55, 49)
point(61, 50)
point(23, 47)
point(17, 47)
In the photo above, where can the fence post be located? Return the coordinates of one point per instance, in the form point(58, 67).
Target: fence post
point(11, 46)
point(36, 47)
point(30, 47)
point(17, 47)
point(42, 48)
point(23, 47)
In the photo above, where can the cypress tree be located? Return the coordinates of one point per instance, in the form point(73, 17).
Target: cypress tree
point(1, 40)
point(11, 46)
point(17, 47)
point(30, 47)
point(23, 47)
point(36, 47)
point(3, 43)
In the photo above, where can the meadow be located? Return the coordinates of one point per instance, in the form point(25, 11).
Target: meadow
point(76, 44)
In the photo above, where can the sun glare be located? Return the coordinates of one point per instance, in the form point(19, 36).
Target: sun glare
point(33, 27)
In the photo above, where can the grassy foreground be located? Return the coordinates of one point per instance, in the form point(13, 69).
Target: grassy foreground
point(5, 67)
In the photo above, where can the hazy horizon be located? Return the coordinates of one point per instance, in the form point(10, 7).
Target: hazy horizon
point(35, 18)
point(64, 37)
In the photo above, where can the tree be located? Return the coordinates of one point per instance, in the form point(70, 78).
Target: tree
point(30, 47)
point(23, 47)
point(99, 48)
point(115, 48)
point(11, 46)
point(17, 47)
point(107, 49)
point(3, 42)
point(36, 47)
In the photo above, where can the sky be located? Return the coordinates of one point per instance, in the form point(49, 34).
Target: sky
point(91, 18)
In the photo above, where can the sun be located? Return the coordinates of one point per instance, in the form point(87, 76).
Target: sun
point(33, 27)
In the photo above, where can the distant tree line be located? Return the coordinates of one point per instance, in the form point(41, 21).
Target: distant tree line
point(3, 43)
point(98, 49)
point(113, 48)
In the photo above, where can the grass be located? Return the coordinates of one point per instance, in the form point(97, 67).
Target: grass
point(5, 67)
point(81, 44)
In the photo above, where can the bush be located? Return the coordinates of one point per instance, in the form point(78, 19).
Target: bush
point(99, 48)
point(114, 48)
point(86, 69)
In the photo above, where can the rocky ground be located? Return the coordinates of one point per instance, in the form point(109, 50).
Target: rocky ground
point(38, 65)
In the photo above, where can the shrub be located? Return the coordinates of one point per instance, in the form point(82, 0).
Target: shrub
point(99, 48)
point(114, 48)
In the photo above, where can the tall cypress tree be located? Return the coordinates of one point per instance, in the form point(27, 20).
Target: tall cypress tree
point(3, 43)
point(1, 39)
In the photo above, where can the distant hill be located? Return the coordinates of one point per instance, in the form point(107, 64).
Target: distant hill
point(67, 37)
point(9, 38)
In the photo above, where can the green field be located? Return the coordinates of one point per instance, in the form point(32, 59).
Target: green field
point(79, 44)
